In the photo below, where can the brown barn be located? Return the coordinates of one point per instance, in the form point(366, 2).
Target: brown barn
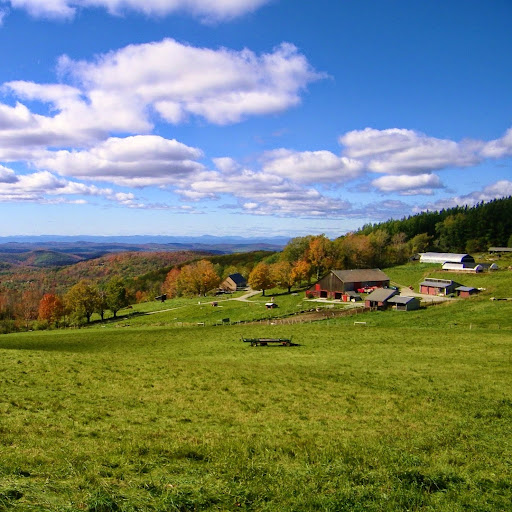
point(432, 286)
point(233, 282)
point(379, 298)
point(334, 284)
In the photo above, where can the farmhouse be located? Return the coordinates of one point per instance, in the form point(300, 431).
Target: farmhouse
point(463, 267)
point(432, 286)
point(334, 284)
point(465, 291)
point(404, 303)
point(379, 298)
point(233, 282)
point(443, 257)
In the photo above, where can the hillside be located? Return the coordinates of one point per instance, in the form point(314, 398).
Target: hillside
point(172, 411)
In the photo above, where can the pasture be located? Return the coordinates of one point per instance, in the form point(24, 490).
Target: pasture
point(412, 411)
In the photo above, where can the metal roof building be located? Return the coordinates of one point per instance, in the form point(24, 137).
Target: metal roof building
point(443, 257)
point(379, 298)
point(463, 267)
point(404, 303)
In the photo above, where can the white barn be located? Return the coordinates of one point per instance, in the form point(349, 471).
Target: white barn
point(444, 257)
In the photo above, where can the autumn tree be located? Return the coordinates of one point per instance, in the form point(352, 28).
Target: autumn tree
point(82, 300)
point(261, 278)
point(198, 278)
point(319, 254)
point(51, 308)
point(301, 271)
point(27, 305)
point(116, 297)
point(282, 274)
point(170, 286)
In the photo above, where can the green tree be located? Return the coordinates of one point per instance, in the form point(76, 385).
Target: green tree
point(82, 300)
point(116, 297)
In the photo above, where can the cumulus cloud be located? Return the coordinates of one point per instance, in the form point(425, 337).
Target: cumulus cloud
point(43, 187)
point(176, 80)
point(140, 160)
point(408, 185)
point(499, 148)
point(261, 192)
point(312, 166)
point(205, 9)
point(401, 151)
point(125, 91)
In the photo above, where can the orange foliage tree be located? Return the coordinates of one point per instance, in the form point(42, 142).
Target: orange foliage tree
point(51, 308)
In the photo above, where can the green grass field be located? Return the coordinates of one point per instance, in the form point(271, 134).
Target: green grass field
point(411, 412)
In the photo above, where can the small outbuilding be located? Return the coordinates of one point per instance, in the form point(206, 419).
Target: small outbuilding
point(379, 298)
point(433, 286)
point(337, 282)
point(465, 291)
point(404, 303)
point(443, 257)
point(500, 250)
point(233, 282)
point(470, 268)
point(351, 296)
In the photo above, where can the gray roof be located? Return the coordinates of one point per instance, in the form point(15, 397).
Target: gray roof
point(360, 275)
point(399, 299)
point(465, 288)
point(239, 279)
point(381, 294)
point(436, 284)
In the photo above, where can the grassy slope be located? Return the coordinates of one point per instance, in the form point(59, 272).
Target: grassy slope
point(412, 412)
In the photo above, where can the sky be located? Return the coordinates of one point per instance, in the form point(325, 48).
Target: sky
point(249, 117)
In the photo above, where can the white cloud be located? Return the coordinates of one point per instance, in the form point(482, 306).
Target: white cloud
point(176, 80)
point(121, 92)
point(261, 193)
point(408, 185)
point(7, 175)
point(499, 148)
point(401, 151)
point(140, 160)
point(500, 189)
point(205, 9)
point(312, 166)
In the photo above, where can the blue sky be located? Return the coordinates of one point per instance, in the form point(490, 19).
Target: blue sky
point(252, 117)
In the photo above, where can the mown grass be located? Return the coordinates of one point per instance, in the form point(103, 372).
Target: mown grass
point(383, 418)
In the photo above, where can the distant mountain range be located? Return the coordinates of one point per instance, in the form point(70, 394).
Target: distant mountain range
point(277, 241)
point(54, 251)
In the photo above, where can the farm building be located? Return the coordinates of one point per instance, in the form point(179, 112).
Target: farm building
point(463, 267)
point(233, 282)
point(432, 286)
point(404, 303)
point(465, 291)
point(351, 296)
point(334, 284)
point(379, 298)
point(443, 257)
point(498, 250)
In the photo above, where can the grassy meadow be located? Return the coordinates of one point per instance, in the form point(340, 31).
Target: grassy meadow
point(411, 412)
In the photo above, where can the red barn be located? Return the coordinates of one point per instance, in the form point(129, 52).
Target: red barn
point(334, 284)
